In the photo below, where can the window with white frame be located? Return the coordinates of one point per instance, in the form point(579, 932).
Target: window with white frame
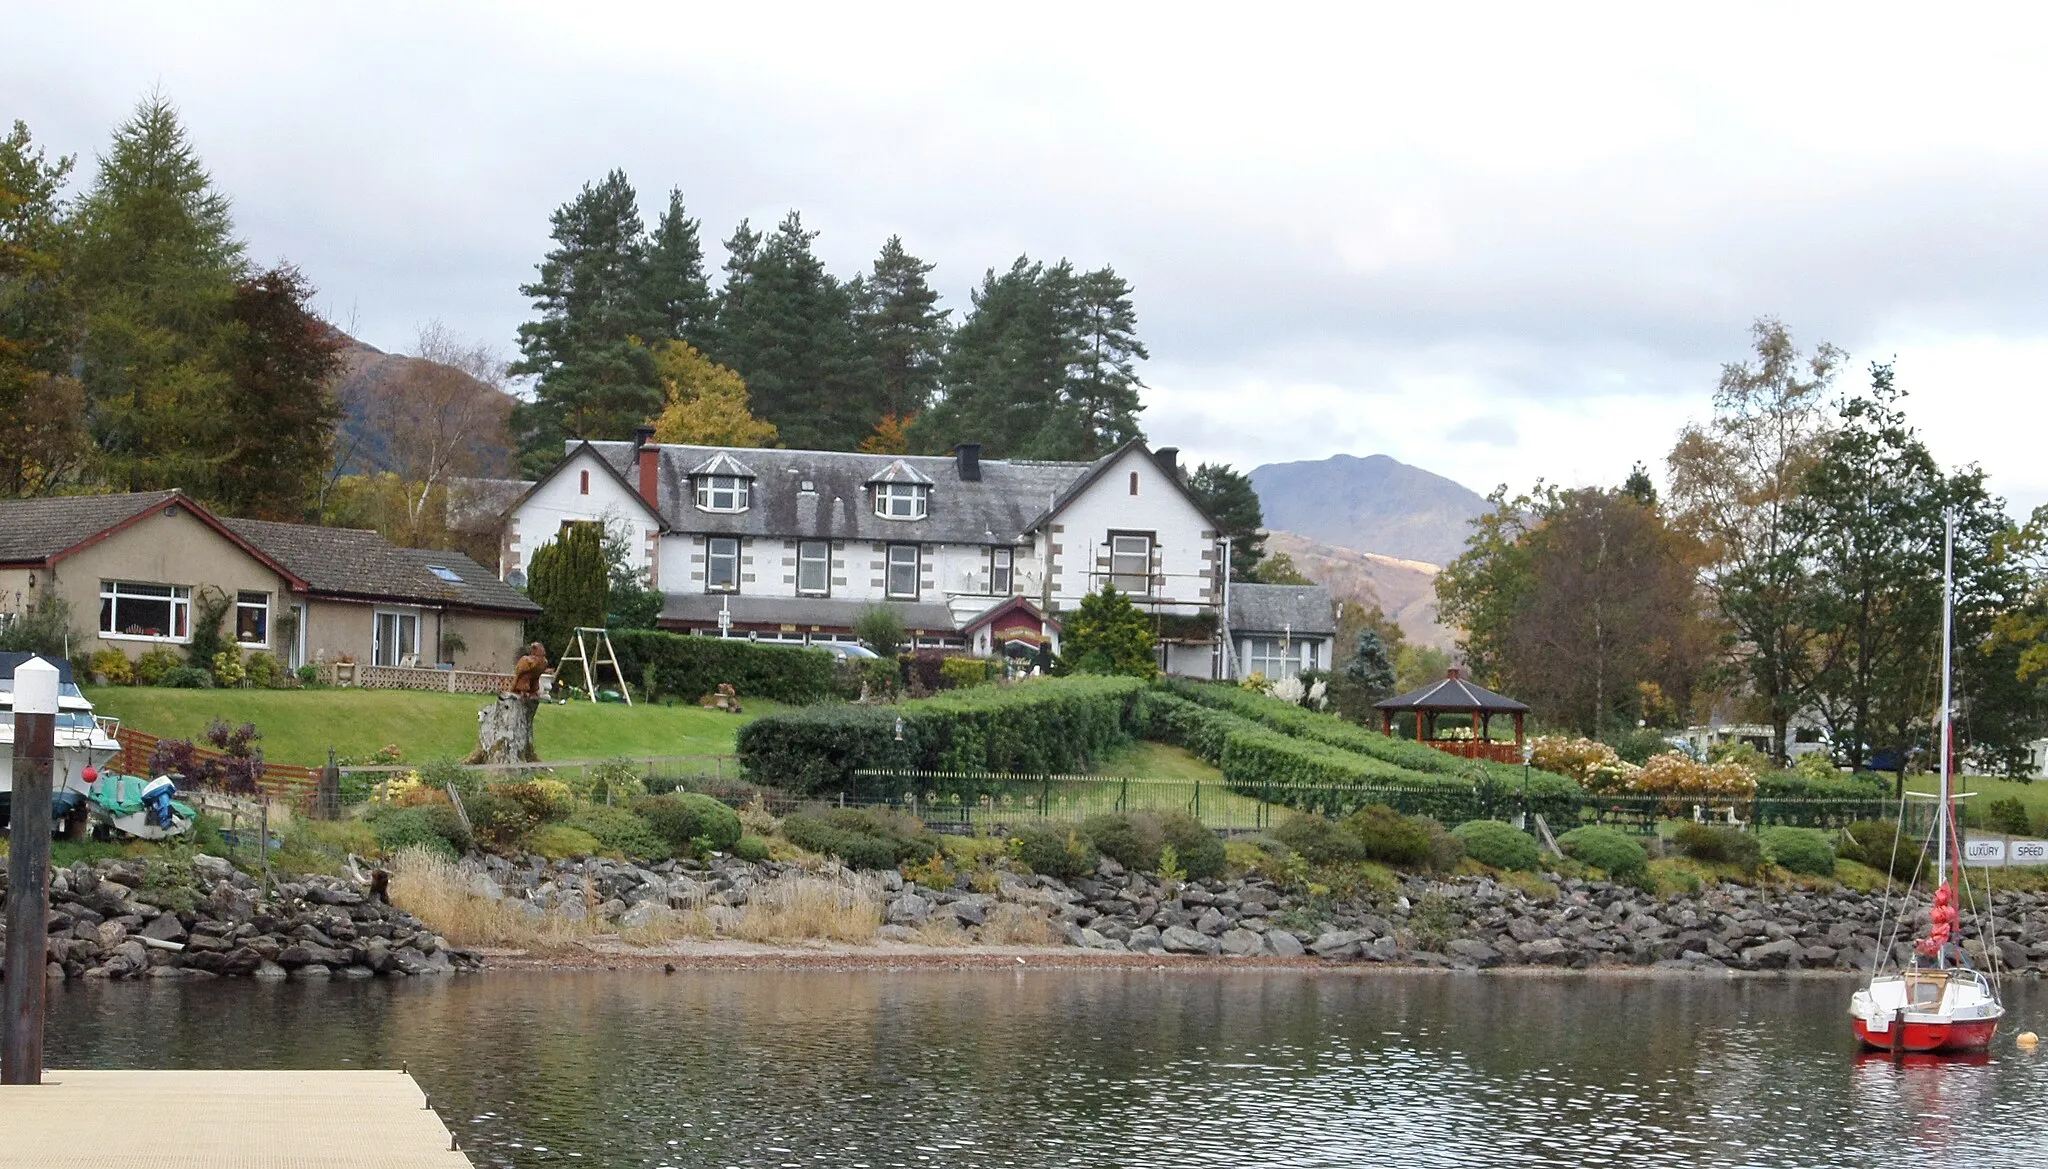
point(398, 637)
point(999, 572)
point(901, 501)
point(903, 570)
point(722, 492)
point(145, 610)
point(814, 567)
point(722, 565)
point(1130, 563)
point(252, 618)
point(1274, 657)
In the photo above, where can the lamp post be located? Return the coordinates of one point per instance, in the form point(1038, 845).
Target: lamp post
point(1528, 753)
point(28, 873)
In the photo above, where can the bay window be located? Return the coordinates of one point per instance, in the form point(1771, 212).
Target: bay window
point(145, 610)
point(903, 571)
point(722, 492)
point(722, 565)
point(901, 501)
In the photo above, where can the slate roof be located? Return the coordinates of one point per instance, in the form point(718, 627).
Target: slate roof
point(37, 529)
point(723, 464)
point(354, 562)
point(1452, 693)
point(479, 505)
point(999, 508)
point(1265, 608)
point(799, 611)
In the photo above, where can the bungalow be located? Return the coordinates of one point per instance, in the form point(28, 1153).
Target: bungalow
point(1281, 630)
point(133, 567)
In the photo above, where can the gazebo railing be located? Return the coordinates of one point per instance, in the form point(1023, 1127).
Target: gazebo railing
point(1475, 749)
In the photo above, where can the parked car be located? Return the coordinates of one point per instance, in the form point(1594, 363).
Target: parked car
point(845, 650)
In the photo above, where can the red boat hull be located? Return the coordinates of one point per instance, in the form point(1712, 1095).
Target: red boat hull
point(1936, 1038)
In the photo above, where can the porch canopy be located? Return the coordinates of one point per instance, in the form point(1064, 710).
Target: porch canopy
point(1455, 695)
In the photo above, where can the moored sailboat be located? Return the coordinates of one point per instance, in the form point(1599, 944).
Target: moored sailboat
point(1939, 1003)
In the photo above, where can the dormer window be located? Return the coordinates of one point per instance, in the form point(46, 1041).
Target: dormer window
point(902, 501)
point(722, 493)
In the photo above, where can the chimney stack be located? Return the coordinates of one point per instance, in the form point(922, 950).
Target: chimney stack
point(1168, 458)
point(649, 457)
point(968, 457)
point(1454, 673)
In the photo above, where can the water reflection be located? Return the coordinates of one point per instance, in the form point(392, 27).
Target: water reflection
point(1139, 1068)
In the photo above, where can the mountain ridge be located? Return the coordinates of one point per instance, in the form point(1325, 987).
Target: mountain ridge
point(1375, 504)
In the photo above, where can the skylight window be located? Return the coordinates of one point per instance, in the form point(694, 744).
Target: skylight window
point(445, 573)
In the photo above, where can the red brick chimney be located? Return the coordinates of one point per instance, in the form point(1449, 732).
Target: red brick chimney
point(649, 457)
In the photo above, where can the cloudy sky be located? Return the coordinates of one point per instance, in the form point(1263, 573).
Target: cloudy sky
point(1488, 241)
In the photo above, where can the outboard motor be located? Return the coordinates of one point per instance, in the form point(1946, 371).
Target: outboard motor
point(156, 800)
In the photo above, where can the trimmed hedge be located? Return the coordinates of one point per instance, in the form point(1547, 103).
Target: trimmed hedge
point(1499, 844)
point(1605, 848)
point(1046, 725)
point(690, 667)
point(1263, 763)
point(686, 817)
point(1801, 850)
point(1790, 785)
point(863, 838)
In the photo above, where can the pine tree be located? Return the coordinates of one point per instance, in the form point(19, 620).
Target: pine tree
point(42, 408)
point(786, 326)
point(157, 265)
point(903, 331)
point(677, 296)
point(596, 381)
point(1370, 668)
point(1102, 392)
point(279, 411)
point(1229, 499)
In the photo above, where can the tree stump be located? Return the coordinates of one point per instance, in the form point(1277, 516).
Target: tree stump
point(504, 731)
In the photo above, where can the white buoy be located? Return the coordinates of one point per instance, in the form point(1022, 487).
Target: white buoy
point(2027, 1040)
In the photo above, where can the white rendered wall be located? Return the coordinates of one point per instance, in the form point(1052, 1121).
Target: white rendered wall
point(561, 499)
point(1184, 547)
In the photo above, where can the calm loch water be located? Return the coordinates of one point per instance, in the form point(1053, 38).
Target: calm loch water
point(1100, 1068)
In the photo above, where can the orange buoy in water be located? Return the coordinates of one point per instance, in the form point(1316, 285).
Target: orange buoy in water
point(2027, 1039)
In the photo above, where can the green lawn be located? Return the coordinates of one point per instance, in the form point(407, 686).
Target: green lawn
point(1146, 760)
point(299, 725)
point(2033, 795)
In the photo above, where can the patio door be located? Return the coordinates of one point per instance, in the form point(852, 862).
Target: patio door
point(398, 636)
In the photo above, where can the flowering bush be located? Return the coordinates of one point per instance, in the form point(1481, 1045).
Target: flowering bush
point(1314, 695)
point(1593, 763)
point(1674, 774)
point(227, 668)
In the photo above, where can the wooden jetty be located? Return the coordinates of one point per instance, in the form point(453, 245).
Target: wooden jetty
point(223, 1120)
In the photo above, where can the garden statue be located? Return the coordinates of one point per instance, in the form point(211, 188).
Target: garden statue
point(504, 732)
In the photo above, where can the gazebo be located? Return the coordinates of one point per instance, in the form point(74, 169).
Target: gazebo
point(1455, 695)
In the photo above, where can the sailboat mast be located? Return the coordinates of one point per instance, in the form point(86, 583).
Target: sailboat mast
point(1948, 602)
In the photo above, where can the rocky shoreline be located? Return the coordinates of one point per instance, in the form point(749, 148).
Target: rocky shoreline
point(124, 919)
point(1473, 922)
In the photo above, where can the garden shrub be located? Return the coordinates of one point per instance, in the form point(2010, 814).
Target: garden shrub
point(155, 662)
point(544, 800)
point(186, 678)
point(398, 829)
point(2008, 816)
point(1801, 850)
point(1319, 840)
point(966, 673)
point(228, 669)
point(1445, 850)
point(1829, 785)
point(449, 825)
point(1130, 839)
point(1390, 837)
point(1607, 849)
point(500, 822)
point(690, 667)
point(684, 819)
point(1046, 725)
point(1498, 844)
point(112, 665)
point(1880, 844)
point(1720, 843)
point(750, 847)
point(559, 842)
point(264, 671)
point(1200, 851)
point(815, 832)
point(621, 832)
point(1053, 850)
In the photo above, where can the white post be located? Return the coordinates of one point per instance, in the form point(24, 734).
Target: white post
point(1948, 602)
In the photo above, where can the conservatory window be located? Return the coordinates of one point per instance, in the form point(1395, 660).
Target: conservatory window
point(901, 501)
point(813, 566)
point(1273, 657)
point(145, 610)
point(722, 565)
point(252, 618)
point(722, 492)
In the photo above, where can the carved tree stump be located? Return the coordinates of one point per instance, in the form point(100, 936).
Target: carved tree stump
point(504, 732)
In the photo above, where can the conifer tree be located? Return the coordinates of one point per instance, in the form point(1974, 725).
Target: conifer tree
point(677, 295)
point(157, 265)
point(786, 326)
point(903, 331)
point(596, 380)
point(278, 410)
point(569, 580)
point(1107, 635)
point(1229, 499)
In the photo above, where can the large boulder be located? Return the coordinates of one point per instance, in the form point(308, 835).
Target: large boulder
point(1180, 939)
point(1242, 943)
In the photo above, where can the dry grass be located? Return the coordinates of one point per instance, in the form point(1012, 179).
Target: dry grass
point(670, 925)
point(1017, 925)
point(838, 907)
point(451, 903)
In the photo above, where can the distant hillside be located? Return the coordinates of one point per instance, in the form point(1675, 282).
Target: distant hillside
point(385, 395)
point(1374, 504)
point(1403, 589)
